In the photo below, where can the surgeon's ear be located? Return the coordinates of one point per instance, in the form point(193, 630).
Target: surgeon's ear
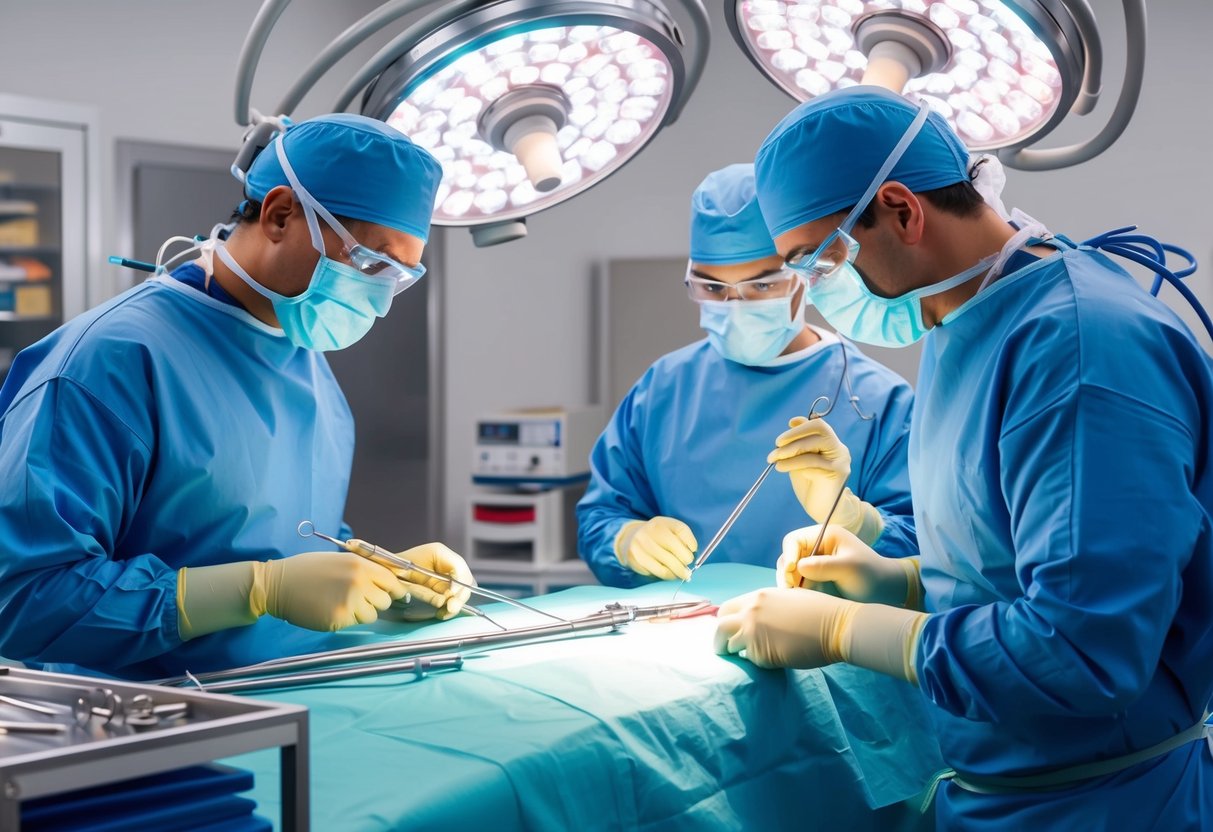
point(898, 201)
point(276, 210)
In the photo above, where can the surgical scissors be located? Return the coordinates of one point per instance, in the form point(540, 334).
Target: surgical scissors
point(766, 472)
point(389, 559)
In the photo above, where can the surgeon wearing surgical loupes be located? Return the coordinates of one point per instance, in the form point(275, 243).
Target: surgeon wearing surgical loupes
point(161, 449)
point(1060, 461)
point(688, 438)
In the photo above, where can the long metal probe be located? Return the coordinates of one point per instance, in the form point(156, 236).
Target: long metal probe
point(367, 550)
point(728, 524)
point(612, 617)
point(419, 666)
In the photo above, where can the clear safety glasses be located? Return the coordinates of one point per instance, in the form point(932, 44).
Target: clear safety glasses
point(777, 284)
point(377, 264)
point(823, 261)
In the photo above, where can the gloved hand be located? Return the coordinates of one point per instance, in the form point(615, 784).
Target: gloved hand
point(819, 464)
point(326, 591)
point(846, 567)
point(803, 628)
point(661, 547)
point(323, 591)
point(433, 597)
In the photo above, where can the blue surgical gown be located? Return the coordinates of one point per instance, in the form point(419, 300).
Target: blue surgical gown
point(692, 435)
point(165, 428)
point(1060, 464)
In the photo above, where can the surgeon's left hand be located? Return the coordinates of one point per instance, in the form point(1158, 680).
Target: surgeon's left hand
point(805, 628)
point(818, 464)
point(434, 597)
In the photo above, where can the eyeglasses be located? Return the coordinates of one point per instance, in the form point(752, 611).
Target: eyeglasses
point(823, 261)
point(377, 264)
point(777, 284)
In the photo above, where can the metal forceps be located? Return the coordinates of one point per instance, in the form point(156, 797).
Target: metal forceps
point(828, 405)
point(385, 558)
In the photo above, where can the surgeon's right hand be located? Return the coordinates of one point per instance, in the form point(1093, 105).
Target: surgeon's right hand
point(848, 567)
point(661, 548)
point(327, 591)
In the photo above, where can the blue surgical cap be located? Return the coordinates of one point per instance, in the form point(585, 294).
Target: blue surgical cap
point(726, 225)
point(821, 158)
point(356, 167)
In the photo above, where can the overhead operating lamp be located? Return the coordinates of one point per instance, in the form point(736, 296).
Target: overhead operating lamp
point(526, 103)
point(1004, 73)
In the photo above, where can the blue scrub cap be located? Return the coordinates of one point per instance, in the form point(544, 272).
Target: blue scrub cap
point(356, 167)
point(821, 158)
point(726, 225)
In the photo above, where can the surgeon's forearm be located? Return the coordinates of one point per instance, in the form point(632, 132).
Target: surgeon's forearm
point(214, 598)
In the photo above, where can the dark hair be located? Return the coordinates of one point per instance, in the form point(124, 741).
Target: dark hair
point(961, 199)
point(247, 211)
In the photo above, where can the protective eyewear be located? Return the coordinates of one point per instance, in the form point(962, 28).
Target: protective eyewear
point(777, 284)
point(377, 264)
point(823, 261)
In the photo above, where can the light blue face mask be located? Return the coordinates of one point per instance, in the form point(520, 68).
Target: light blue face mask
point(839, 292)
point(845, 301)
point(342, 301)
point(751, 332)
point(338, 307)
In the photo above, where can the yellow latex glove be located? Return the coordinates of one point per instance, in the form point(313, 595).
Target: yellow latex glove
point(323, 591)
point(661, 548)
point(847, 567)
point(818, 465)
point(432, 597)
point(804, 628)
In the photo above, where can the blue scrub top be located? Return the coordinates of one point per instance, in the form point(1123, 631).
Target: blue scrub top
point(165, 428)
point(692, 435)
point(1063, 495)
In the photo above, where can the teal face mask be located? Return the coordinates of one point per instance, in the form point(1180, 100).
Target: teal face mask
point(338, 307)
point(846, 302)
point(751, 332)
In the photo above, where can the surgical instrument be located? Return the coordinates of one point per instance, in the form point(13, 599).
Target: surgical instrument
point(766, 472)
point(32, 728)
point(611, 617)
point(479, 613)
point(390, 560)
point(28, 706)
point(419, 667)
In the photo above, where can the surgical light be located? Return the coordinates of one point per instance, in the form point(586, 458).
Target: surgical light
point(1004, 73)
point(526, 103)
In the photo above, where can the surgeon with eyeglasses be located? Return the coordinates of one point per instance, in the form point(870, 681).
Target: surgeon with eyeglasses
point(160, 450)
point(691, 435)
point(1061, 456)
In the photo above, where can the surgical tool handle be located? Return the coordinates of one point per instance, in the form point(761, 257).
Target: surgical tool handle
point(377, 553)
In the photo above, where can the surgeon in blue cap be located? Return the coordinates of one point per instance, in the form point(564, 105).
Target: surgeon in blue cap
point(160, 450)
point(681, 448)
point(1061, 457)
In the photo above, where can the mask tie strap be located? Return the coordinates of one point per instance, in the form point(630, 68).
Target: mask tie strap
point(898, 151)
point(311, 207)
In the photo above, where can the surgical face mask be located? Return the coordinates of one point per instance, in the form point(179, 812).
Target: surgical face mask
point(338, 307)
point(342, 301)
point(752, 332)
point(846, 302)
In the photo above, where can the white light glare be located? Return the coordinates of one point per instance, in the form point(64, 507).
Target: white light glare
point(619, 88)
point(1001, 85)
